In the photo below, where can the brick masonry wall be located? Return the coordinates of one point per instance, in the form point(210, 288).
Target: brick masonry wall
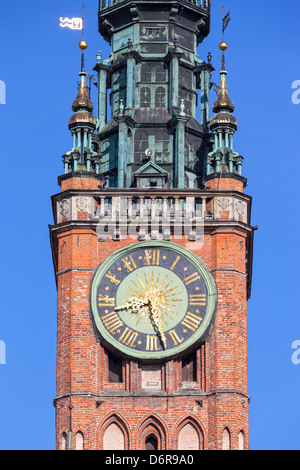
point(82, 364)
point(79, 183)
point(226, 184)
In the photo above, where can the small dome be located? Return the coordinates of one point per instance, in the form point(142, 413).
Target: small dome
point(82, 117)
point(223, 118)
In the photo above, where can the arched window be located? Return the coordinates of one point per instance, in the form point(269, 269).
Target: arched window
point(113, 438)
point(105, 147)
point(162, 141)
point(160, 74)
point(145, 97)
point(152, 433)
point(146, 73)
point(185, 78)
point(160, 97)
point(188, 438)
point(226, 439)
point(151, 443)
point(140, 145)
point(241, 440)
point(79, 441)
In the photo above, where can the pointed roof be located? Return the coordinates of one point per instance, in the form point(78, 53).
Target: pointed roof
point(223, 106)
point(82, 100)
point(151, 168)
point(82, 106)
point(223, 102)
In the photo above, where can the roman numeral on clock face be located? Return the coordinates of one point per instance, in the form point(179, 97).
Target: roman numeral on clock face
point(175, 262)
point(112, 322)
point(175, 338)
point(197, 299)
point(152, 257)
point(192, 278)
point(152, 343)
point(191, 321)
point(128, 337)
point(106, 301)
point(112, 278)
point(129, 263)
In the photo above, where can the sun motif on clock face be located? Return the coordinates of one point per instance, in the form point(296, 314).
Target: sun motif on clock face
point(152, 300)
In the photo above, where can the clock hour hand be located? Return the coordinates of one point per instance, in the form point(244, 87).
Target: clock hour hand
point(134, 304)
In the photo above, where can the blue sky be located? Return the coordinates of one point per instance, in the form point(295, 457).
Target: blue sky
point(39, 65)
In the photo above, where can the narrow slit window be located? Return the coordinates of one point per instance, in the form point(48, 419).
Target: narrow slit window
point(115, 372)
point(189, 369)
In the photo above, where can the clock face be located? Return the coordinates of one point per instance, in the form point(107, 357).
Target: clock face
point(153, 300)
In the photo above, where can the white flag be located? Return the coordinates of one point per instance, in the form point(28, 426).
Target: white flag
point(72, 23)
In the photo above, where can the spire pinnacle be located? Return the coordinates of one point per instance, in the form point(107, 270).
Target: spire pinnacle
point(82, 105)
point(223, 101)
point(223, 124)
point(82, 100)
point(223, 45)
point(83, 44)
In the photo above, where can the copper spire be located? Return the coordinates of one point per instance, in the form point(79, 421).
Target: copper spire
point(82, 106)
point(223, 101)
point(82, 100)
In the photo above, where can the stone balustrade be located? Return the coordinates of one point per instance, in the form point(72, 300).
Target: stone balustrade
point(161, 209)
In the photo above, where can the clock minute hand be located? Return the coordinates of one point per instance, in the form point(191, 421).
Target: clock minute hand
point(156, 318)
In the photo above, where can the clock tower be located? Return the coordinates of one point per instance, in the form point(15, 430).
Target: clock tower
point(152, 244)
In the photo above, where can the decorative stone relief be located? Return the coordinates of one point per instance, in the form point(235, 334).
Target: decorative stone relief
point(152, 33)
point(64, 207)
point(240, 208)
point(81, 203)
point(224, 203)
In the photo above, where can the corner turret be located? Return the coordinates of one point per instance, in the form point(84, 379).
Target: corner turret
point(223, 161)
point(82, 125)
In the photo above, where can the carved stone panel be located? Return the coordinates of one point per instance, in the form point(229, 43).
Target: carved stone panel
point(63, 209)
point(240, 210)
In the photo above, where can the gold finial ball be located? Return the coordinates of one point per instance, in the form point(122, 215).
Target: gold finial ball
point(223, 46)
point(82, 45)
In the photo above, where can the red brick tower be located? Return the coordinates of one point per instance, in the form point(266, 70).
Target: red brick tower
point(152, 246)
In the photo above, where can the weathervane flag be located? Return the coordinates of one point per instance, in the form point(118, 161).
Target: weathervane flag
point(226, 18)
point(72, 23)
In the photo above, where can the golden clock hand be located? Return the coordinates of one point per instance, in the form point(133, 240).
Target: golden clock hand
point(123, 307)
point(134, 304)
point(156, 319)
